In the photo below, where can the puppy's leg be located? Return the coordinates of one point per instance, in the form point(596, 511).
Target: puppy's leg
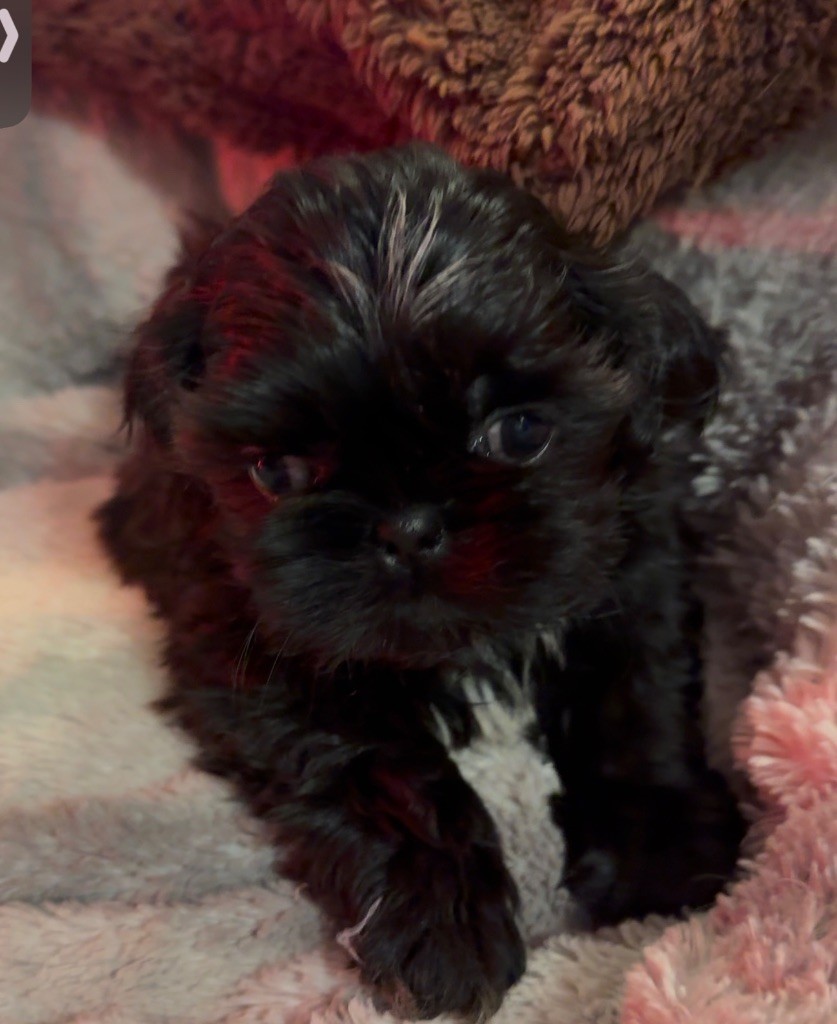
point(376, 822)
point(649, 826)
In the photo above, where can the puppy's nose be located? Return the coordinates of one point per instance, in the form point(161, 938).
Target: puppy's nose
point(415, 533)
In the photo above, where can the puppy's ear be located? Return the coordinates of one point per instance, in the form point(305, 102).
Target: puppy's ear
point(169, 354)
point(673, 357)
point(684, 356)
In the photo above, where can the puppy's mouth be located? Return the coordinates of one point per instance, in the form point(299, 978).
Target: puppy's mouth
point(414, 611)
point(408, 627)
point(420, 608)
point(414, 626)
point(413, 589)
point(412, 649)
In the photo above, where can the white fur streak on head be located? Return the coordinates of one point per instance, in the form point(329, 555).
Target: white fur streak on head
point(352, 289)
point(402, 254)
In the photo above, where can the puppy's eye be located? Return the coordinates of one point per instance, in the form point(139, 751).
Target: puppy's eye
point(275, 476)
point(519, 436)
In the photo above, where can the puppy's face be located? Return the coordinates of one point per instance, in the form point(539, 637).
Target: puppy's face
point(415, 410)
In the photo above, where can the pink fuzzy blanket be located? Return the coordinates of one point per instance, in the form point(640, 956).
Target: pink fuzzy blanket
point(133, 890)
point(760, 252)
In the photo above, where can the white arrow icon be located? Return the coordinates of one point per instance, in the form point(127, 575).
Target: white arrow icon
point(11, 35)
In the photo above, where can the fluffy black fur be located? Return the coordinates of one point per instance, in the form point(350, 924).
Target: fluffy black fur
point(339, 501)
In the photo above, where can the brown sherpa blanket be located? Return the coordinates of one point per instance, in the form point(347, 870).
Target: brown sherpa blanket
point(599, 106)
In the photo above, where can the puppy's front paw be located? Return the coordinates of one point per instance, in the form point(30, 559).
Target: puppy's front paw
point(636, 850)
point(443, 938)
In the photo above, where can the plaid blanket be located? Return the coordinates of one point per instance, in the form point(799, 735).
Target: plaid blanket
point(134, 889)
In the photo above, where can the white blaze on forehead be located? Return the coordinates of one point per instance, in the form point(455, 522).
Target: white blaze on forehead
point(400, 283)
point(404, 246)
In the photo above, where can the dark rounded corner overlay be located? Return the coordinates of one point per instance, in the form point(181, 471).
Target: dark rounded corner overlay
point(15, 61)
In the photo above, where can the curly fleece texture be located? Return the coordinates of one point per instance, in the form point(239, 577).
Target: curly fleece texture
point(133, 889)
point(599, 106)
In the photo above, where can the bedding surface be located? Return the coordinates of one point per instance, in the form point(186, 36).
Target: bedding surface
point(135, 891)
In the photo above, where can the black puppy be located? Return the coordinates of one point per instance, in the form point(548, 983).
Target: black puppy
point(394, 430)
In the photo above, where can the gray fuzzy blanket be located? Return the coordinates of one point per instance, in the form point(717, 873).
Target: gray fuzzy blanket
point(135, 891)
